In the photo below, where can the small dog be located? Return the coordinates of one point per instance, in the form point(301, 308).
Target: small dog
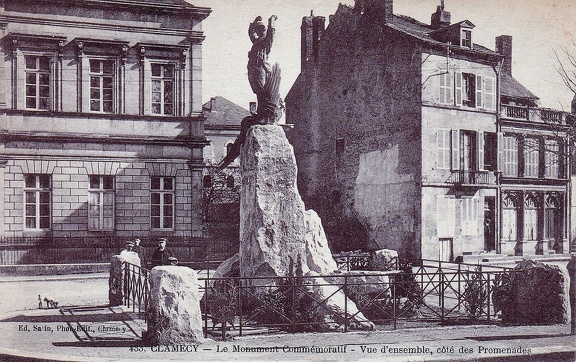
point(50, 302)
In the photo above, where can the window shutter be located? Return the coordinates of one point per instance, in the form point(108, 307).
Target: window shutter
point(489, 94)
point(480, 149)
point(458, 88)
point(478, 91)
point(455, 149)
point(500, 151)
point(441, 89)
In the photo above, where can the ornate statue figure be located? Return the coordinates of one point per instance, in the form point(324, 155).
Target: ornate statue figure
point(264, 80)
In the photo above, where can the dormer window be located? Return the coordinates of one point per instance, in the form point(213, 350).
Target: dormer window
point(466, 38)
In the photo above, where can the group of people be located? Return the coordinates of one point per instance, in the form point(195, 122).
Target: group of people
point(162, 255)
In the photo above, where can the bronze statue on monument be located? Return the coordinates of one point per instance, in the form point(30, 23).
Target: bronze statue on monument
point(264, 80)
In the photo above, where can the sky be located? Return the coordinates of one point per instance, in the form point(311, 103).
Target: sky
point(538, 28)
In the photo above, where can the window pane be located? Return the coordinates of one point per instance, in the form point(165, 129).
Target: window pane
point(45, 222)
point(30, 181)
point(108, 67)
point(30, 210)
point(95, 66)
point(30, 102)
point(108, 182)
point(156, 70)
point(155, 183)
point(45, 197)
point(168, 210)
point(44, 63)
point(155, 222)
point(30, 62)
point(167, 199)
point(94, 182)
point(44, 79)
point(30, 223)
point(155, 210)
point(45, 181)
point(167, 223)
point(168, 184)
point(43, 103)
point(31, 79)
point(94, 82)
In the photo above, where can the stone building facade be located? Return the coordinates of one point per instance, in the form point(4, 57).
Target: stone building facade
point(399, 135)
point(101, 119)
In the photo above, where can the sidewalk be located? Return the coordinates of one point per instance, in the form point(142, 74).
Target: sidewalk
point(101, 333)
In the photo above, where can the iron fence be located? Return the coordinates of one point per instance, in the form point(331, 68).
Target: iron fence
point(66, 250)
point(446, 295)
point(136, 289)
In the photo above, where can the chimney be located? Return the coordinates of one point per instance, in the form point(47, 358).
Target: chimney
point(378, 9)
point(504, 47)
point(318, 27)
point(312, 30)
point(441, 18)
point(305, 40)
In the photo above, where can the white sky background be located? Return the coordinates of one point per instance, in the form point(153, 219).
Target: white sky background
point(538, 27)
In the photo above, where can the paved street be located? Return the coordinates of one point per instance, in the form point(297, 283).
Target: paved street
point(86, 330)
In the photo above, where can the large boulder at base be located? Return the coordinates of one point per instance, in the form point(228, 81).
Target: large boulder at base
point(383, 260)
point(229, 268)
point(174, 307)
point(537, 293)
point(370, 291)
point(272, 229)
point(329, 316)
point(318, 254)
point(116, 280)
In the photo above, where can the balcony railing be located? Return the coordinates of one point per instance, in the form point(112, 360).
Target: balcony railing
point(472, 177)
point(543, 115)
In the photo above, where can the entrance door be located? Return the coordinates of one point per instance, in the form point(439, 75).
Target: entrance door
point(446, 252)
point(489, 224)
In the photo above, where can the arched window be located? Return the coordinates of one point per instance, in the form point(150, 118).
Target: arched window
point(509, 217)
point(553, 219)
point(530, 217)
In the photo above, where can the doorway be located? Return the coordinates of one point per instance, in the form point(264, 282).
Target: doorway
point(489, 223)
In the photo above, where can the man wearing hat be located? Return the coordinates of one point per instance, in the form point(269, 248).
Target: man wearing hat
point(128, 247)
point(163, 255)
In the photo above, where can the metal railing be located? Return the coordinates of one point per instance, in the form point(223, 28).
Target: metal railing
point(443, 293)
point(472, 177)
point(67, 250)
point(534, 114)
point(136, 289)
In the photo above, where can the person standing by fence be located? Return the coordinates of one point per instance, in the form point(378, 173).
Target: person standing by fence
point(140, 251)
point(163, 255)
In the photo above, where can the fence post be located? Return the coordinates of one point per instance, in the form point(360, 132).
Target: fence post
point(205, 302)
point(459, 290)
point(441, 275)
point(345, 303)
point(488, 296)
point(293, 304)
point(240, 306)
point(394, 304)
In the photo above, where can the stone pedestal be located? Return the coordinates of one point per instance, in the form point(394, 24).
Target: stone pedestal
point(116, 280)
point(174, 307)
point(272, 228)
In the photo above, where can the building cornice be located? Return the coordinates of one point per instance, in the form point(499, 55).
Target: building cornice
point(196, 36)
point(199, 13)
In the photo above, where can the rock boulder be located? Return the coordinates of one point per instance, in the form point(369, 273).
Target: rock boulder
point(318, 254)
point(272, 229)
point(537, 293)
point(174, 307)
